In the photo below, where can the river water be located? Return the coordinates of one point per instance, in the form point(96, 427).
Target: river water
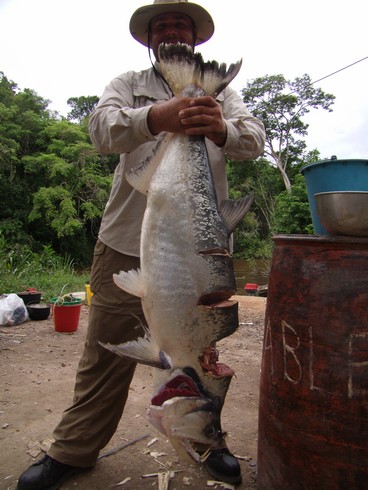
point(254, 271)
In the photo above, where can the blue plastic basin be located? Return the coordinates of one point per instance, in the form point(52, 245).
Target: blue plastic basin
point(333, 175)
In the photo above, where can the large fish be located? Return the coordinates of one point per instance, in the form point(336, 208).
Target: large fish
point(186, 277)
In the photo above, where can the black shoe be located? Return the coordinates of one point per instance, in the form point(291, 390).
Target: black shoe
point(46, 474)
point(224, 466)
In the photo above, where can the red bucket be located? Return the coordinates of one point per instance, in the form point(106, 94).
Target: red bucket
point(66, 316)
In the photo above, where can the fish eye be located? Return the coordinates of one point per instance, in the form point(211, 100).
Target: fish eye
point(210, 431)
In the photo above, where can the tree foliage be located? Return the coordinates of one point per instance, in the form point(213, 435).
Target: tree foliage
point(281, 105)
point(291, 213)
point(81, 107)
point(55, 185)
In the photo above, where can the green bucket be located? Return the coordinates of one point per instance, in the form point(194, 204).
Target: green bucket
point(62, 302)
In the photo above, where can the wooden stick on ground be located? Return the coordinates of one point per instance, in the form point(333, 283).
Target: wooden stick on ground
point(122, 446)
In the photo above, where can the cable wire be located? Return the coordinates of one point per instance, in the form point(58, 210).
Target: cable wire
point(330, 75)
point(341, 69)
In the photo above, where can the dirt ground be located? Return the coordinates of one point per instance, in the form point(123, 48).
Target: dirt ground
point(37, 376)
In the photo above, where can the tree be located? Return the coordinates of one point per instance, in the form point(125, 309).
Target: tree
point(281, 105)
point(7, 90)
point(71, 188)
point(292, 211)
point(81, 107)
point(55, 185)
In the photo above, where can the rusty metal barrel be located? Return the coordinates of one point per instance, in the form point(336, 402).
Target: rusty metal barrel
point(313, 409)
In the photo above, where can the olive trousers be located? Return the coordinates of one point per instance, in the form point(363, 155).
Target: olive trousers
point(103, 378)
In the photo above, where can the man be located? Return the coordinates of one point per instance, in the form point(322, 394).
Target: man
point(133, 110)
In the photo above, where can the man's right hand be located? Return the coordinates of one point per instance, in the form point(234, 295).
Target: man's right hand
point(164, 116)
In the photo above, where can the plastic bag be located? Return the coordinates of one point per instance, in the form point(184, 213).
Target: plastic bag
point(13, 311)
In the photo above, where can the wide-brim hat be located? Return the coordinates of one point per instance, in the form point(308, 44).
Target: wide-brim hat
point(141, 18)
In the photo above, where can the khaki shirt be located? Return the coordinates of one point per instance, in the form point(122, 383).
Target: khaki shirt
point(119, 125)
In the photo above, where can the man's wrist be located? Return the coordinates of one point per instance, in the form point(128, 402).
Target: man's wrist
point(152, 120)
point(220, 138)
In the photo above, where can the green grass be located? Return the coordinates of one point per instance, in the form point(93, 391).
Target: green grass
point(49, 273)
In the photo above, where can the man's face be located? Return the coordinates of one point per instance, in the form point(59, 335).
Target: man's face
point(171, 28)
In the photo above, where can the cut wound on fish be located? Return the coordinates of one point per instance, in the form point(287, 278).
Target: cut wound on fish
point(215, 299)
point(223, 319)
point(215, 251)
point(209, 362)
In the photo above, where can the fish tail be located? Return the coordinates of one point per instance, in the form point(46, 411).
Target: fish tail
point(182, 68)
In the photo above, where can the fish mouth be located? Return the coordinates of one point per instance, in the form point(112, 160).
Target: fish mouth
point(186, 414)
point(179, 386)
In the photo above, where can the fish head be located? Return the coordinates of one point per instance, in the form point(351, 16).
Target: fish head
point(186, 415)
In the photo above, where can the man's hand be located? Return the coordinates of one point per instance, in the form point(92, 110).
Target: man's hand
point(204, 117)
point(200, 116)
point(164, 116)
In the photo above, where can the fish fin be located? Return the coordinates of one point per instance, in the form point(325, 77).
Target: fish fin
point(182, 68)
point(140, 176)
point(131, 282)
point(142, 350)
point(233, 211)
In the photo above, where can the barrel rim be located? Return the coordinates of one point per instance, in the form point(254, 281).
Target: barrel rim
point(333, 162)
point(320, 238)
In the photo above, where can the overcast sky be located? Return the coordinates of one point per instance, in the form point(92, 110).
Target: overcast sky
point(70, 48)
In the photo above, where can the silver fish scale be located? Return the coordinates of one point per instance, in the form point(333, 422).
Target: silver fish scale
point(210, 230)
point(181, 220)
